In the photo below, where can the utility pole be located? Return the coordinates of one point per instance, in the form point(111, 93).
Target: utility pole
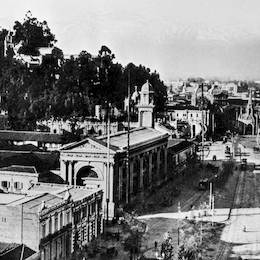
point(179, 211)
point(210, 194)
point(202, 119)
point(213, 209)
point(128, 141)
point(108, 158)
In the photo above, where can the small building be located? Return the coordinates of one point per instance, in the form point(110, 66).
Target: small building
point(39, 139)
point(51, 219)
point(17, 178)
point(179, 152)
point(197, 119)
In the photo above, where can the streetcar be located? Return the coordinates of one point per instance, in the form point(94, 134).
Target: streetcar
point(244, 164)
point(203, 184)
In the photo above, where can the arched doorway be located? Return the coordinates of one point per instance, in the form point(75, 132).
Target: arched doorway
point(85, 172)
point(249, 130)
point(193, 134)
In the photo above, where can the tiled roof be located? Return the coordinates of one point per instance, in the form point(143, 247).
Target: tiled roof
point(52, 194)
point(19, 168)
point(30, 136)
point(138, 136)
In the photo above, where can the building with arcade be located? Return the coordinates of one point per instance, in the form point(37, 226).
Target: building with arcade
point(123, 165)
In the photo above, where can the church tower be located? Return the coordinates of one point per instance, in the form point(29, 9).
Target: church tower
point(145, 106)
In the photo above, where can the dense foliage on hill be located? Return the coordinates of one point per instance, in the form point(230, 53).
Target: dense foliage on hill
point(64, 87)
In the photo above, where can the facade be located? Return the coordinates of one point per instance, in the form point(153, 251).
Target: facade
point(197, 119)
point(179, 152)
point(248, 118)
point(17, 178)
point(51, 219)
point(124, 165)
point(86, 163)
point(58, 126)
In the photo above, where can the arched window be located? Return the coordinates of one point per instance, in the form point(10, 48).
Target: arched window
point(85, 172)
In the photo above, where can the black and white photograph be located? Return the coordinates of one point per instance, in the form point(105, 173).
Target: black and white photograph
point(130, 130)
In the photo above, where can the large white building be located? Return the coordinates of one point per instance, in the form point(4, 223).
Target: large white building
point(124, 164)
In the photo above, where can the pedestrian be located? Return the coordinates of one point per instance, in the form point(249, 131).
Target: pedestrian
point(244, 229)
point(155, 244)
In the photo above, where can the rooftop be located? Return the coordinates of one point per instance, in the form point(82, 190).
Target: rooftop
point(119, 141)
point(30, 136)
point(52, 194)
point(19, 168)
point(137, 136)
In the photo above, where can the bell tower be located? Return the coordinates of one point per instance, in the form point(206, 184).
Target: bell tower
point(145, 106)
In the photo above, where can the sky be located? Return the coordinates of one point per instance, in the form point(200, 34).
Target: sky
point(175, 38)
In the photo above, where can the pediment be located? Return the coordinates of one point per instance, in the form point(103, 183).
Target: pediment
point(88, 145)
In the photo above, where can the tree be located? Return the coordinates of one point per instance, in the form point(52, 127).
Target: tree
point(138, 76)
point(190, 237)
point(32, 34)
point(104, 63)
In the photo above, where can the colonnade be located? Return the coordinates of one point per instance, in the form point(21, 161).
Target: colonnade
point(147, 170)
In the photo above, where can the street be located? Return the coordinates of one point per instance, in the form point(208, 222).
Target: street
point(242, 225)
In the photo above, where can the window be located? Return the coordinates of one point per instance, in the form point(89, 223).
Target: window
point(5, 184)
point(93, 208)
point(84, 212)
point(50, 225)
point(77, 216)
point(61, 220)
point(43, 229)
point(56, 223)
point(18, 185)
point(89, 209)
point(68, 217)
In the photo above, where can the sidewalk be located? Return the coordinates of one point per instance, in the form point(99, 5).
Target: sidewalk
point(218, 149)
point(170, 224)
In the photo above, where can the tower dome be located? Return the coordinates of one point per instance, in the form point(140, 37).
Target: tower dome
point(145, 106)
point(147, 87)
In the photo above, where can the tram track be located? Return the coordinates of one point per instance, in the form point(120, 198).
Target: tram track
point(238, 202)
point(194, 199)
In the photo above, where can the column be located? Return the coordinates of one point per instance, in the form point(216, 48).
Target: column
point(150, 165)
point(111, 191)
point(141, 180)
point(120, 173)
point(69, 173)
point(158, 150)
point(66, 171)
point(131, 177)
point(72, 172)
point(165, 162)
